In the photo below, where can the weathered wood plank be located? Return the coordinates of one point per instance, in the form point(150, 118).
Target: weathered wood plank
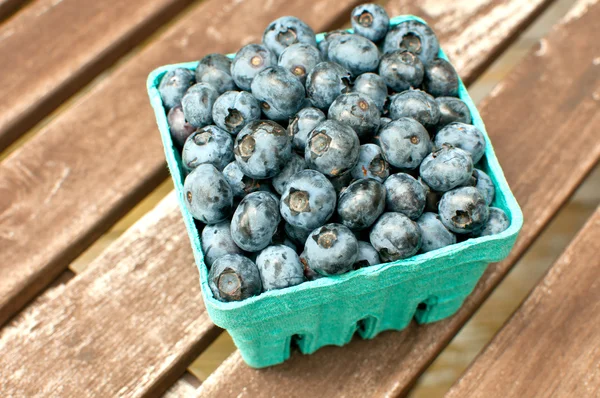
point(542, 120)
point(104, 336)
point(8, 7)
point(99, 337)
point(552, 336)
point(79, 39)
point(185, 387)
point(68, 184)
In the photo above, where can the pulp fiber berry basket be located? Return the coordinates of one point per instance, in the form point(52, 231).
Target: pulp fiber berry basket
point(329, 311)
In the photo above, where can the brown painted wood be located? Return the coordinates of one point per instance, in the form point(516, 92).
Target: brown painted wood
point(123, 327)
point(56, 47)
point(95, 161)
point(549, 347)
point(543, 123)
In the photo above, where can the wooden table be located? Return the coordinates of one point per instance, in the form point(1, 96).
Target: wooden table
point(130, 324)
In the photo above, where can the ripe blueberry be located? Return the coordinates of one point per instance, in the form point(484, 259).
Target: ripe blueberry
point(308, 200)
point(361, 204)
point(401, 70)
point(255, 221)
point(280, 94)
point(262, 149)
point(404, 143)
point(215, 69)
point(295, 164)
point(463, 210)
point(332, 148)
point(179, 127)
point(234, 277)
point(415, 104)
point(326, 81)
point(234, 109)
point(357, 111)
point(496, 223)
point(208, 144)
point(441, 79)
point(248, 62)
point(464, 136)
point(217, 242)
point(367, 256)
point(404, 194)
point(415, 37)
point(331, 249)
point(279, 267)
point(208, 196)
point(395, 236)
point(302, 124)
point(371, 164)
point(452, 110)
point(433, 233)
point(372, 86)
point(446, 168)
point(173, 86)
point(300, 59)
point(355, 53)
point(371, 21)
point(285, 31)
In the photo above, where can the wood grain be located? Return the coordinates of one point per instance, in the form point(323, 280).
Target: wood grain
point(185, 387)
point(543, 122)
point(79, 38)
point(98, 336)
point(96, 160)
point(103, 334)
point(549, 347)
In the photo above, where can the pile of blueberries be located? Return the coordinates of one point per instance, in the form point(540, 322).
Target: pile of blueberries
point(305, 160)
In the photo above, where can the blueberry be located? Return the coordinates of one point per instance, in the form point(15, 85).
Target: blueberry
point(262, 149)
point(452, 110)
point(384, 121)
point(464, 136)
point(179, 127)
point(355, 53)
point(300, 59)
point(404, 194)
point(371, 164)
point(197, 104)
point(331, 249)
point(432, 198)
point(234, 277)
point(357, 111)
point(361, 203)
point(240, 184)
point(401, 70)
point(323, 45)
point(255, 221)
point(415, 104)
point(280, 94)
point(341, 182)
point(485, 185)
point(496, 223)
point(395, 237)
point(234, 109)
point(371, 21)
point(309, 273)
point(433, 233)
point(326, 81)
point(446, 168)
point(173, 86)
point(248, 62)
point(404, 143)
point(208, 196)
point(215, 69)
point(279, 267)
point(441, 79)
point(373, 86)
point(297, 235)
point(308, 200)
point(209, 144)
point(367, 256)
point(415, 37)
point(302, 124)
point(332, 148)
point(295, 164)
point(217, 242)
point(285, 31)
point(463, 210)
